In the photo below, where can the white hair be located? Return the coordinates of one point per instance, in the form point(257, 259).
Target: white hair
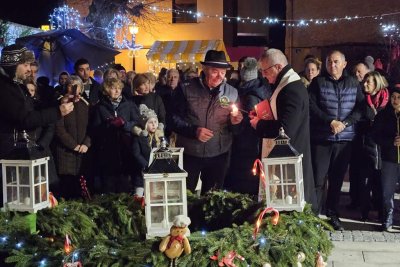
point(274, 56)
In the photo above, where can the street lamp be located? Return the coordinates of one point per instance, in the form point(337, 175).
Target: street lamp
point(133, 29)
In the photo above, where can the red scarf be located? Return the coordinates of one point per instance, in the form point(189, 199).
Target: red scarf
point(178, 238)
point(379, 100)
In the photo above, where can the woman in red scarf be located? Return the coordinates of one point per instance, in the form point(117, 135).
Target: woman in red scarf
point(377, 97)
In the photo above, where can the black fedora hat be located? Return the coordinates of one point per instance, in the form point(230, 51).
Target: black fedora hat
point(216, 59)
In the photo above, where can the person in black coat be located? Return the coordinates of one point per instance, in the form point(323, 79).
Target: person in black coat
point(290, 107)
point(385, 132)
point(113, 120)
point(246, 145)
point(16, 110)
point(146, 136)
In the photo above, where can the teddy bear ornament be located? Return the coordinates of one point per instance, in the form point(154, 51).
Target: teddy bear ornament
point(174, 244)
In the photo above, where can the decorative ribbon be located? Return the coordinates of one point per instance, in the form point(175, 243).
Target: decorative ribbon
point(67, 244)
point(53, 201)
point(228, 259)
point(274, 220)
point(85, 190)
point(258, 163)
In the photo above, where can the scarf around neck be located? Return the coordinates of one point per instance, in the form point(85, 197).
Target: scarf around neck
point(379, 100)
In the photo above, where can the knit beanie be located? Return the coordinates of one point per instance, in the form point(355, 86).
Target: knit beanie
point(249, 70)
point(13, 55)
point(145, 114)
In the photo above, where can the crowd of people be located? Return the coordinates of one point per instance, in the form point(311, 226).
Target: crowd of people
point(104, 128)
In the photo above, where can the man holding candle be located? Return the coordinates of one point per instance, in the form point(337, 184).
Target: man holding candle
point(289, 105)
point(205, 118)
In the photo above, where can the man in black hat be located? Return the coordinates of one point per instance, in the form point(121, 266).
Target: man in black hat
point(204, 120)
point(16, 110)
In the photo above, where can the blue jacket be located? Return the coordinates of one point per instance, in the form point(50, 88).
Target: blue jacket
point(331, 99)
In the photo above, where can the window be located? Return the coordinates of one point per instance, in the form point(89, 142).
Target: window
point(184, 11)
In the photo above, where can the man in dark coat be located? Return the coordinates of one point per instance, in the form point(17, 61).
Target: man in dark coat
point(16, 110)
point(289, 104)
point(204, 121)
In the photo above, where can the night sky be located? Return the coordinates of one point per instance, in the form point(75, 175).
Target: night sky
point(28, 12)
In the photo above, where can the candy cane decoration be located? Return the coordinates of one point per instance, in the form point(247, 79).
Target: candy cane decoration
point(67, 244)
point(274, 220)
point(258, 163)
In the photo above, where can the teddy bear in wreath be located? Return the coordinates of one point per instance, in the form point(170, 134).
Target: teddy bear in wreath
point(174, 244)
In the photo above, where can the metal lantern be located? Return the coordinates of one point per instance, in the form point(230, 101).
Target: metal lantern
point(25, 177)
point(282, 186)
point(165, 192)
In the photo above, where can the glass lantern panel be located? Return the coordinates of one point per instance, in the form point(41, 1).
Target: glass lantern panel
point(276, 195)
point(173, 211)
point(289, 173)
point(43, 192)
point(174, 191)
point(291, 196)
point(23, 175)
point(274, 174)
point(36, 174)
point(157, 192)
point(11, 194)
point(43, 172)
point(11, 175)
point(157, 215)
point(37, 194)
point(25, 196)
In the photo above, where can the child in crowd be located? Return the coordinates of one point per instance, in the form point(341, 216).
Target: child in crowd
point(144, 139)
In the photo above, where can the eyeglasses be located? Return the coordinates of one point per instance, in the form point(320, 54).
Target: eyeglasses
point(265, 70)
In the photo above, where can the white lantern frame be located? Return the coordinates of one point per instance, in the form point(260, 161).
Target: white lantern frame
point(282, 185)
point(29, 189)
point(164, 192)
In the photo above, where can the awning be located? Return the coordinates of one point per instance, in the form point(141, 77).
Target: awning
point(183, 51)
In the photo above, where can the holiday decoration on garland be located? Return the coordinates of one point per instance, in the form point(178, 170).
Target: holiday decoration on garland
point(176, 242)
point(110, 230)
point(228, 259)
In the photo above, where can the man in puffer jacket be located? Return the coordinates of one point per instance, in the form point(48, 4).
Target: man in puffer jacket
point(335, 106)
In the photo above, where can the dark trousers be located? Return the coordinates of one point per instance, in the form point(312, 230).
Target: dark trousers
point(330, 159)
point(390, 176)
point(371, 183)
point(355, 176)
point(70, 187)
point(213, 171)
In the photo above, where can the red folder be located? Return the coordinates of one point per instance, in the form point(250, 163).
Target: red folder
point(263, 110)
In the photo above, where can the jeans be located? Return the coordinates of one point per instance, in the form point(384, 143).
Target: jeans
point(389, 177)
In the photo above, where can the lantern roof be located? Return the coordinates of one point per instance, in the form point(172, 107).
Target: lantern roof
point(25, 148)
point(163, 161)
point(283, 148)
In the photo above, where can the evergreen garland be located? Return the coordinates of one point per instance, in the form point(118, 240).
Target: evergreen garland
point(110, 231)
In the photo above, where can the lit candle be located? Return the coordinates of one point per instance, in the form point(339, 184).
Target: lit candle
point(235, 110)
point(289, 200)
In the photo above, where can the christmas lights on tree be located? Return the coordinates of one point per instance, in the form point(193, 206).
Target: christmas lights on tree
point(65, 17)
point(118, 30)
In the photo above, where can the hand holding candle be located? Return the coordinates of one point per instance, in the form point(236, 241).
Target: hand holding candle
point(236, 115)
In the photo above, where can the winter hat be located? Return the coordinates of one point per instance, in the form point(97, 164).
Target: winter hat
point(370, 62)
point(249, 70)
point(145, 114)
point(13, 55)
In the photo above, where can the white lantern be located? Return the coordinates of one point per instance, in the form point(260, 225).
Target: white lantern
point(165, 192)
point(283, 186)
point(25, 178)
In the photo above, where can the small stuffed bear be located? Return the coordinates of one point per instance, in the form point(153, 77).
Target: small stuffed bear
point(176, 242)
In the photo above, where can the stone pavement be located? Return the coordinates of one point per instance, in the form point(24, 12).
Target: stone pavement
point(363, 244)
